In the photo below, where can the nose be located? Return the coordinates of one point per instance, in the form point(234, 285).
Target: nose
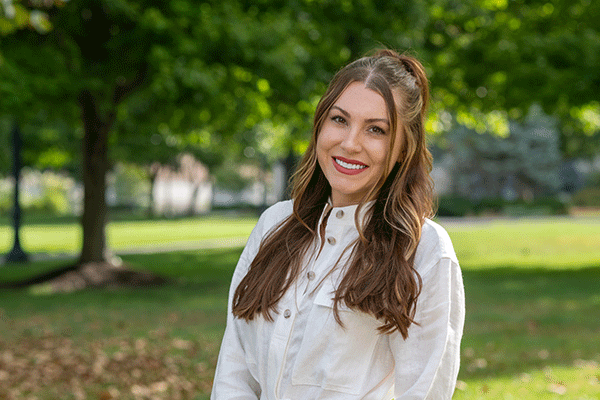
point(352, 141)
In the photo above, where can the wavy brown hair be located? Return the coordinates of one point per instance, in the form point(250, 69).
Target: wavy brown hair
point(379, 277)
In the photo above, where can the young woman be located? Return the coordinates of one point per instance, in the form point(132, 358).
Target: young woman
point(348, 291)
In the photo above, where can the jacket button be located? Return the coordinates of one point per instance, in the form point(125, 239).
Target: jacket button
point(339, 214)
point(287, 313)
point(331, 240)
point(310, 275)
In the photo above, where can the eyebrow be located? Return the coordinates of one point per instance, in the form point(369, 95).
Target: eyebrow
point(370, 120)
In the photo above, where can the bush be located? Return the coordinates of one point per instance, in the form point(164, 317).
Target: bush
point(41, 193)
point(553, 204)
point(450, 206)
point(454, 206)
point(6, 200)
point(587, 197)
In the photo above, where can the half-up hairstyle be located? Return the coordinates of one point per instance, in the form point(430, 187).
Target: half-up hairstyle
point(379, 277)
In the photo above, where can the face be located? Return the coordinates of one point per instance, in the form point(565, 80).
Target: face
point(353, 144)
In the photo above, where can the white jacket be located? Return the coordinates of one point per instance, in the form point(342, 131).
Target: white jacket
point(304, 354)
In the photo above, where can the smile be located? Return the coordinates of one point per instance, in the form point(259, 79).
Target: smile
point(349, 165)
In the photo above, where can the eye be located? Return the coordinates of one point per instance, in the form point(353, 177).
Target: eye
point(339, 119)
point(377, 130)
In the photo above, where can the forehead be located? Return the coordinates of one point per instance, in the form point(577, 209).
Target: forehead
point(358, 96)
point(359, 99)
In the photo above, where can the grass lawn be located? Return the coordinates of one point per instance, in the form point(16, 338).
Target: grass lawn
point(532, 328)
point(66, 237)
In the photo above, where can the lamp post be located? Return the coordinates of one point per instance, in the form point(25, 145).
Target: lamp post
point(16, 254)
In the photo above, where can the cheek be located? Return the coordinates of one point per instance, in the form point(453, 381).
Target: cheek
point(379, 153)
point(324, 142)
point(321, 150)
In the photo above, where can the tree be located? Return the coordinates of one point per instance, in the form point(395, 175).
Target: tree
point(224, 76)
point(492, 59)
point(183, 73)
point(521, 165)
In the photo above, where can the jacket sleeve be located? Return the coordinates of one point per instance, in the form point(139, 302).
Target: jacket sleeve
point(233, 379)
point(427, 362)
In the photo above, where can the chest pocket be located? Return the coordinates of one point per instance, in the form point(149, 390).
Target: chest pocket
point(331, 356)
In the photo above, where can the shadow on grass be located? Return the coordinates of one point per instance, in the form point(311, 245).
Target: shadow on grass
point(210, 267)
point(519, 319)
point(184, 267)
point(193, 305)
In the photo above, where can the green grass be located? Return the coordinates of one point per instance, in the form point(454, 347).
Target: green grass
point(548, 242)
point(532, 327)
point(66, 237)
point(531, 333)
point(533, 308)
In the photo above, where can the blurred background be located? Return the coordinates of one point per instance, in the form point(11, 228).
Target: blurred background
point(192, 106)
point(139, 127)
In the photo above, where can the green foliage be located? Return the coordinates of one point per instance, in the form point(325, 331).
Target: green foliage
point(215, 77)
point(587, 197)
point(507, 55)
point(6, 196)
point(129, 185)
point(228, 177)
point(221, 74)
point(15, 16)
point(46, 143)
point(41, 193)
point(522, 165)
point(456, 206)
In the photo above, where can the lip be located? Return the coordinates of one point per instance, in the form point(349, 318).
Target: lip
point(347, 171)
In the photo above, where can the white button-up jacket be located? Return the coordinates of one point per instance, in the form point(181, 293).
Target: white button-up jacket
point(304, 354)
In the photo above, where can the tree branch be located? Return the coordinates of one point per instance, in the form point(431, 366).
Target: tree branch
point(122, 91)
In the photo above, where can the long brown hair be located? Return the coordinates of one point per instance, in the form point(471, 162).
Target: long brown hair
point(379, 277)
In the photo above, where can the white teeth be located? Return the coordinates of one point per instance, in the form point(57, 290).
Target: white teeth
point(349, 166)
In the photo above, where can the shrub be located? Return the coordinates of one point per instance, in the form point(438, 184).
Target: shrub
point(454, 206)
point(587, 197)
point(450, 206)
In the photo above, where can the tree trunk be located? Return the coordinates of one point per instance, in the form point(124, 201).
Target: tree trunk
point(95, 166)
point(95, 268)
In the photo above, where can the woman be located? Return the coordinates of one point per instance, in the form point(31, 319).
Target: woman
point(348, 291)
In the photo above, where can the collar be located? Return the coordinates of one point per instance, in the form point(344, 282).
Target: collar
point(343, 215)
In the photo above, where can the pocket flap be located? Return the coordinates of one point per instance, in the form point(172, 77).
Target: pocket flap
point(325, 295)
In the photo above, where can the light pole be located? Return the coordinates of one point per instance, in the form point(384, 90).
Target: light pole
point(16, 254)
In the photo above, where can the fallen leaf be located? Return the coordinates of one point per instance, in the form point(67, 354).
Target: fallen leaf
point(181, 344)
point(557, 388)
point(105, 395)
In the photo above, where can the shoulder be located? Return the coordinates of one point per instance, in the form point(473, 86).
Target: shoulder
point(269, 220)
point(434, 245)
point(273, 216)
point(276, 213)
